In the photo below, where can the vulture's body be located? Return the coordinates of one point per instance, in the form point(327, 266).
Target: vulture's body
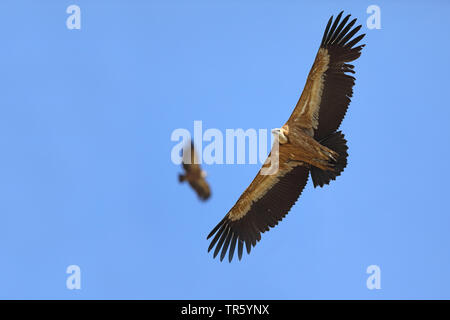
point(308, 143)
point(194, 174)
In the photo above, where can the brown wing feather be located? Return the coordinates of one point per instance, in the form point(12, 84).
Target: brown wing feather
point(272, 202)
point(190, 159)
point(306, 112)
point(338, 88)
point(329, 87)
point(194, 173)
point(201, 187)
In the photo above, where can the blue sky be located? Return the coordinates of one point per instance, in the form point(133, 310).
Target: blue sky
point(85, 172)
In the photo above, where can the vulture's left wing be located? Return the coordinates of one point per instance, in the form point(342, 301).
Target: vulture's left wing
point(194, 172)
point(262, 205)
point(329, 87)
point(201, 187)
point(190, 158)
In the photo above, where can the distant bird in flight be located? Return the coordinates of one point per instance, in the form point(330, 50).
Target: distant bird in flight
point(194, 175)
point(308, 143)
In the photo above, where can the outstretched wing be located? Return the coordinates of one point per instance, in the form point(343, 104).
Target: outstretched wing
point(201, 187)
point(196, 178)
point(262, 205)
point(190, 159)
point(329, 86)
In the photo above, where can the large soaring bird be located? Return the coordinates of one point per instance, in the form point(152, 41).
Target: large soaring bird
point(194, 174)
point(308, 143)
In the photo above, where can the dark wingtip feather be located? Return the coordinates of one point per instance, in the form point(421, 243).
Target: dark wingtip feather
point(325, 34)
point(216, 228)
point(349, 35)
point(355, 41)
point(344, 32)
point(339, 29)
point(240, 248)
point(232, 247)
point(341, 33)
point(248, 246)
point(226, 244)
point(332, 29)
point(213, 242)
point(221, 241)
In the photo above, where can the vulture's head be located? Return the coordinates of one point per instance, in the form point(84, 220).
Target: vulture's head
point(279, 133)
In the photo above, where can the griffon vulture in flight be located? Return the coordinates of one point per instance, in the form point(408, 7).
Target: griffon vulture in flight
point(308, 143)
point(194, 175)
